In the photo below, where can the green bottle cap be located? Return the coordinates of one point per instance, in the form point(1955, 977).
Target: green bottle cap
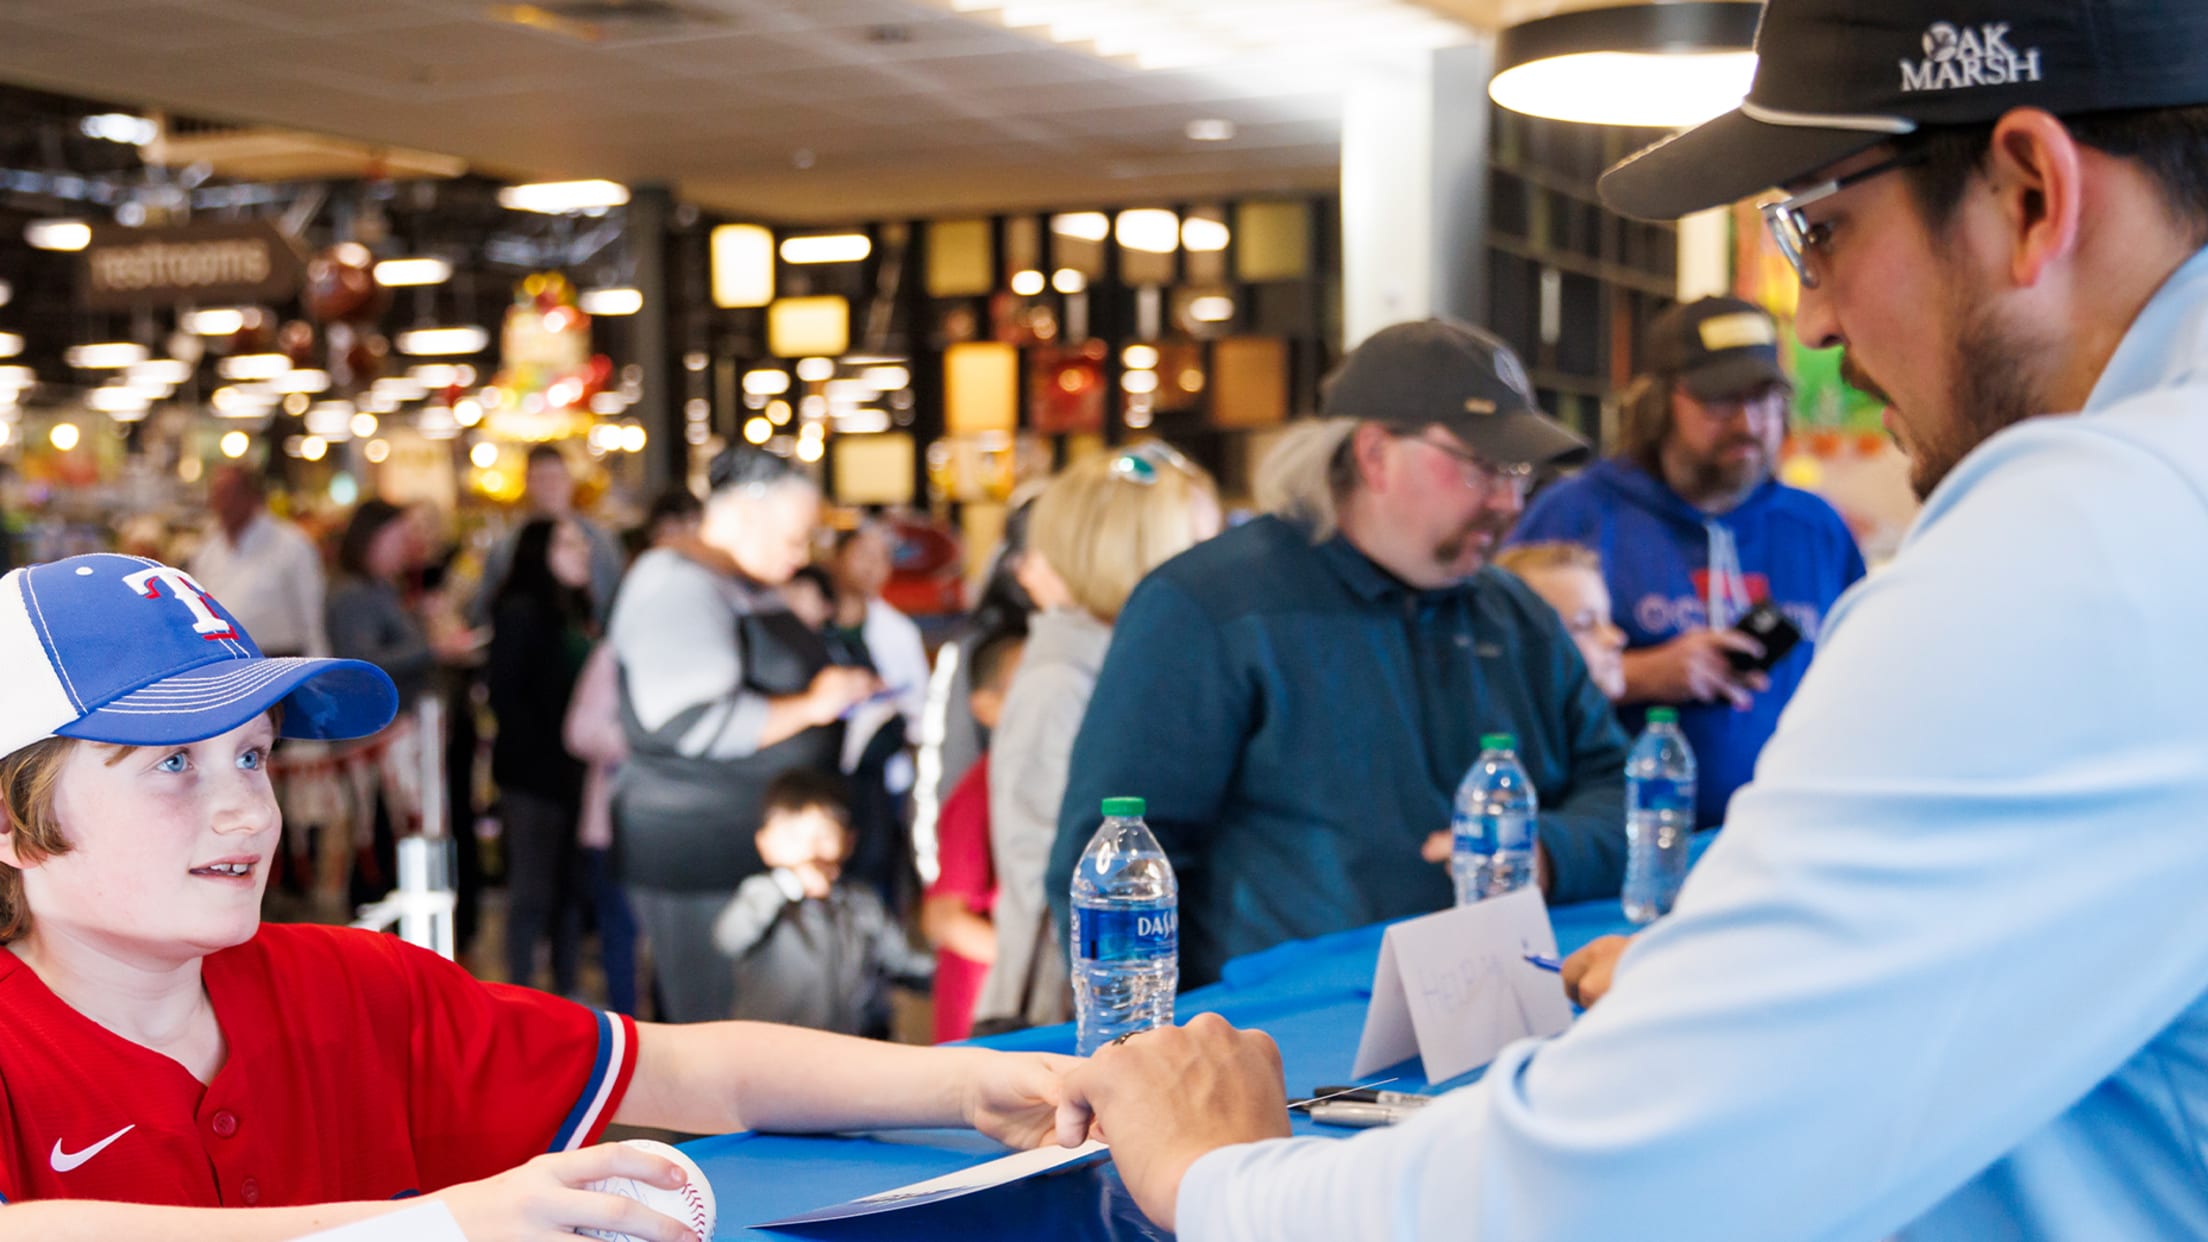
point(1123, 808)
point(1663, 715)
point(1498, 741)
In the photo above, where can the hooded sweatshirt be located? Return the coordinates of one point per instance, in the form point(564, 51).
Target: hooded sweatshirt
point(1657, 551)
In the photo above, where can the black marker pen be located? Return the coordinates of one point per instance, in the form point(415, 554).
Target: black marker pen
point(1368, 1095)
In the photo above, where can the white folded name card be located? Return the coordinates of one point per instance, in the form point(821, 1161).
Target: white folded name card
point(1455, 987)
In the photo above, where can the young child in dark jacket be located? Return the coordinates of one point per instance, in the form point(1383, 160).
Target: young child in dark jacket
point(810, 950)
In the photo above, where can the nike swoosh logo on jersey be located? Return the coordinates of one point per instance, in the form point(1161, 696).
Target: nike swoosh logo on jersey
point(64, 1161)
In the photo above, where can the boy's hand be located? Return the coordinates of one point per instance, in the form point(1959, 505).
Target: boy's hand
point(816, 879)
point(544, 1200)
point(1016, 1097)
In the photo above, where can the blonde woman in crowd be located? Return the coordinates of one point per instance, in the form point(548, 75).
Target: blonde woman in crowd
point(1098, 528)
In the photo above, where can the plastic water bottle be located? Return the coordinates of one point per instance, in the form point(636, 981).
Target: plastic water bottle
point(1492, 824)
point(1659, 816)
point(1126, 930)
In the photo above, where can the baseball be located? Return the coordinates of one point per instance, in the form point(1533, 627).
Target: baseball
point(693, 1203)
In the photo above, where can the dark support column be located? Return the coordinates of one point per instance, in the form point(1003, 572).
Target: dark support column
point(651, 214)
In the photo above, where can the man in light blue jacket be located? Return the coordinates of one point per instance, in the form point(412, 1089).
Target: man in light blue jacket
point(1946, 973)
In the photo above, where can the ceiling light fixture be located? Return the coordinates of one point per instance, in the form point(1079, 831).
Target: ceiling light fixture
point(159, 371)
point(253, 366)
point(1152, 230)
point(1211, 308)
point(220, 321)
point(622, 301)
point(1197, 233)
point(301, 381)
point(827, 248)
point(122, 127)
point(1211, 129)
point(1092, 226)
point(433, 342)
point(396, 273)
point(106, 356)
point(58, 234)
point(559, 198)
point(1657, 65)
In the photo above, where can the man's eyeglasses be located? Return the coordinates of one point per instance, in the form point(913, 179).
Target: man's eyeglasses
point(1478, 472)
point(1797, 238)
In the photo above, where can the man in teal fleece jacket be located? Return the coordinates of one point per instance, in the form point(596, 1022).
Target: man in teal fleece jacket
point(1298, 698)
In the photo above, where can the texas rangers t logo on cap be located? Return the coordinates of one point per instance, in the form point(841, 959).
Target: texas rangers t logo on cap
point(186, 592)
point(131, 652)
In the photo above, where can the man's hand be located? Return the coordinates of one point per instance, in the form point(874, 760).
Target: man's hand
point(1692, 668)
point(544, 1200)
point(1018, 1098)
point(1587, 972)
point(1440, 846)
point(1167, 1096)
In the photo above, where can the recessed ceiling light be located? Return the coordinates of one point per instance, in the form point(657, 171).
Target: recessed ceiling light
point(1211, 129)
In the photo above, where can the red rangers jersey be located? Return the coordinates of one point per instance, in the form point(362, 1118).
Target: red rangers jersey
point(359, 1067)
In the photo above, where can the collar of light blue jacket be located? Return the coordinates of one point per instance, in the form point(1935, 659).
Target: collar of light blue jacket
point(2166, 345)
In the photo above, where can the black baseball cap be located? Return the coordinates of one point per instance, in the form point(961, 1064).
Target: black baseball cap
point(1717, 347)
point(1415, 375)
point(1834, 77)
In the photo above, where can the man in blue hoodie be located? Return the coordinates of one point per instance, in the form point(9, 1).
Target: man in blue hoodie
point(1694, 531)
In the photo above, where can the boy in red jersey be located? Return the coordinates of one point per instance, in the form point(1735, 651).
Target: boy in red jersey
point(166, 1056)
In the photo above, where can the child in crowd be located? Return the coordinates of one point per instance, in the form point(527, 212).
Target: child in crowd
point(166, 1055)
point(1569, 577)
point(811, 951)
point(954, 914)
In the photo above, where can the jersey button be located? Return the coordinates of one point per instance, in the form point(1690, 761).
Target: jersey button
point(249, 1192)
point(224, 1123)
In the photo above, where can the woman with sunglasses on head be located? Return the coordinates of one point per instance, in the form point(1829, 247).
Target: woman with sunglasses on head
point(1097, 529)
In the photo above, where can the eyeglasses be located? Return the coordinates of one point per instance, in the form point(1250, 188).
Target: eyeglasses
point(1478, 472)
point(1797, 238)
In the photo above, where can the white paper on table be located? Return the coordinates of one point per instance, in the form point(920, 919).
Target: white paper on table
point(1455, 987)
point(425, 1222)
point(1000, 1172)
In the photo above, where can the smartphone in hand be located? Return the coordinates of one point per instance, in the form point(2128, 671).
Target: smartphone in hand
point(1767, 625)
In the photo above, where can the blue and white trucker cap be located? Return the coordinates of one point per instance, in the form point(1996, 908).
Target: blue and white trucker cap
point(128, 651)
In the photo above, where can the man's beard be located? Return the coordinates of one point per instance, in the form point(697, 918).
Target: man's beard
point(1996, 385)
point(1448, 551)
point(1715, 476)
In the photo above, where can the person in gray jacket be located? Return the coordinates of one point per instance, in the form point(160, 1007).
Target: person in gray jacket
point(721, 690)
point(811, 948)
point(1097, 529)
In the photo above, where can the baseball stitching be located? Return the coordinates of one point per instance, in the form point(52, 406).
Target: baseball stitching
point(696, 1203)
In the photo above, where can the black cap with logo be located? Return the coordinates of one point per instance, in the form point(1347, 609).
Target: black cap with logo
point(1717, 347)
point(1834, 77)
point(1415, 375)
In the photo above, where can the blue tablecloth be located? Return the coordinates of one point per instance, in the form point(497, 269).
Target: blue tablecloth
point(1310, 995)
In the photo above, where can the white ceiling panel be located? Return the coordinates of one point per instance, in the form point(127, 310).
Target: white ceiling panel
point(904, 106)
